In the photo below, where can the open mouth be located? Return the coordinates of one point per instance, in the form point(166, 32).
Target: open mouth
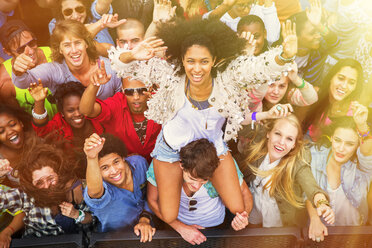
point(14, 139)
point(117, 177)
point(278, 148)
point(78, 120)
point(197, 78)
point(75, 58)
point(340, 92)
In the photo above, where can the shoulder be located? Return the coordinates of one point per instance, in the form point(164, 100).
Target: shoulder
point(138, 162)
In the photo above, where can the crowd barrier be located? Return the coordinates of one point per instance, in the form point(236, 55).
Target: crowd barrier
point(287, 237)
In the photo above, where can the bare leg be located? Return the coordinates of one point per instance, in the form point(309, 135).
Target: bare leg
point(169, 180)
point(225, 180)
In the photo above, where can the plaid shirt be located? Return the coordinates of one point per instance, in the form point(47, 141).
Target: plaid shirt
point(38, 221)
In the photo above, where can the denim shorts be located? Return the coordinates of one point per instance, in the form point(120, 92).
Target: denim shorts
point(165, 153)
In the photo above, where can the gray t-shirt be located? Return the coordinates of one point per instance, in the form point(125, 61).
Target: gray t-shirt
point(54, 74)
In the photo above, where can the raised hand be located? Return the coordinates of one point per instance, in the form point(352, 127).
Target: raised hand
point(360, 114)
point(163, 11)
point(240, 221)
point(67, 209)
point(93, 145)
point(5, 167)
point(37, 91)
point(99, 75)
point(111, 21)
point(314, 14)
point(250, 46)
point(289, 39)
point(147, 48)
point(24, 62)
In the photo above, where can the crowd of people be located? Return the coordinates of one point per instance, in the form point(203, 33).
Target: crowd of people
point(194, 114)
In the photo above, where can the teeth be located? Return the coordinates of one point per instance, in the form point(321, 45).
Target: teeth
point(13, 138)
point(78, 120)
point(279, 148)
point(340, 91)
point(116, 177)
point(75, 56)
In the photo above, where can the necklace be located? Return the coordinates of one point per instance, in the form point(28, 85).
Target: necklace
point(198, 105)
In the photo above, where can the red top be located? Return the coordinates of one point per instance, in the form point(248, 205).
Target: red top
point(117, 120)
point(62, 128)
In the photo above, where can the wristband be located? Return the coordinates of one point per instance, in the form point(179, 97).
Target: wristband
point(254, 118)
point(364, 136)
point(286, 60)
point(320, 202)
point(81, 217)
point(38, 116)
point(146, 215)
point(302, 85)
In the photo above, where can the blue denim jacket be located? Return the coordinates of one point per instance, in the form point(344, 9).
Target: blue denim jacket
point(355, 177)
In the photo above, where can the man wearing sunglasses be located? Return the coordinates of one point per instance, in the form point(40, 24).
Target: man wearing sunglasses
point(19, 42)
point(200, 205)
point(123, 114)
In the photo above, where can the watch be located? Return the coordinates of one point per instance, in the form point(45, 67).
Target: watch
point(81, 217)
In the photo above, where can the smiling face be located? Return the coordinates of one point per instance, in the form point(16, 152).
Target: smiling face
point(114, 169)
point(74, 10)
point(193, 184)
point(44, 178)
point(343, 83)
point(71, 112)
point(277, 90)
point(345, 142)
point(74, 51)
point(281, 139)
point(11, 131)
point(198, 63)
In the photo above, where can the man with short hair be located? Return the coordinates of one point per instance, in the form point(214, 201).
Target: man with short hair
point(315, 41)
point(200, 204)
point(130, 33)
point(19, 40)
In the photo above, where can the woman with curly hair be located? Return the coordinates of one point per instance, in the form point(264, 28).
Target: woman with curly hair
point(68, 123)
point(51, 195)
point(16, 135)
point(199, 86)
point(341, 86)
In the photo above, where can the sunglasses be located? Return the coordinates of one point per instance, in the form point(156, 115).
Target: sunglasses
point(192, 204)
point(130, 91)
point(32, 43)
point(69, 11)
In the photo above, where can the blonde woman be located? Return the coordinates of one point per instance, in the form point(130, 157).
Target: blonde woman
point(278, 172)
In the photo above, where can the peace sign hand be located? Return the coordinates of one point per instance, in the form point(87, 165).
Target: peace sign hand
point(99, 76)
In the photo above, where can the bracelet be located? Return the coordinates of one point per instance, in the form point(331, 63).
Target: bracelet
point(81, 217)
point(38, 116)
point(302, 85)
point(11, 228)
point(322, 201)
point(254, 118)
point(146, 215)
point(286, 60)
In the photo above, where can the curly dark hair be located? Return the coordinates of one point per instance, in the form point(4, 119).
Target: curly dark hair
point(64, 90)
point(87, 3)
point(113, 145)
point(42, 155)
point(199, 158)
point(219, 39)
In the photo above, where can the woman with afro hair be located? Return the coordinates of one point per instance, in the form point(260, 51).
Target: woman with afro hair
point(200, 85)
point(68, 124)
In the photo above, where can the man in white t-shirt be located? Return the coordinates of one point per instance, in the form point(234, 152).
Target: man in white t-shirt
point(230, 12)
point(200, 205)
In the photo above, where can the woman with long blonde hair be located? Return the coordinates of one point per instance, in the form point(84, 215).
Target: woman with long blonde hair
point(277, 171)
